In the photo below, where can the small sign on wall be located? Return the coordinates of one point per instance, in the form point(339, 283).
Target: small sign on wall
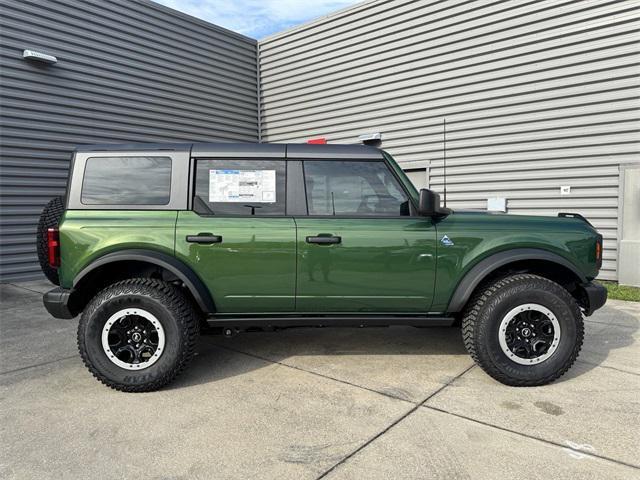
point(565, 190)
point(497, 204)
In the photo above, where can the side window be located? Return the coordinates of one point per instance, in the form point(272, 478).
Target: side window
point(240, 187)
point(127, 181)
point(344, 188)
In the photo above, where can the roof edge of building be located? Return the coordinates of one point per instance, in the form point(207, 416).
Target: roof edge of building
point(319, 20)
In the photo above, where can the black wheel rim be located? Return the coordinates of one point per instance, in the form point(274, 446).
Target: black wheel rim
point(133, 339)
point(529, 334)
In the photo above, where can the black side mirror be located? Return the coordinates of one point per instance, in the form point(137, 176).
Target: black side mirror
point(429, 205)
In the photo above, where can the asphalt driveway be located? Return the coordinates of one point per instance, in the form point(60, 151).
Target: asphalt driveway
point(333, 403)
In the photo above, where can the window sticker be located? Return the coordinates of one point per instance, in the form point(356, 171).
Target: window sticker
point(235, 186)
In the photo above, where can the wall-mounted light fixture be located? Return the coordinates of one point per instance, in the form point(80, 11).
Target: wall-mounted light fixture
point(372, 139)
point(38, 56)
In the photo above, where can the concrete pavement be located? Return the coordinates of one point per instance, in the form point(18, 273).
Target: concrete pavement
point(317, 403)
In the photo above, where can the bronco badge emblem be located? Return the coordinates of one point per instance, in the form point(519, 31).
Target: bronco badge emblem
point(446, 241)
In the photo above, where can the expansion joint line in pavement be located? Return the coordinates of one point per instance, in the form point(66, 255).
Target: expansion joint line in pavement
point(328, 377)
point(25, 288)
point(531, 437)
point(38, 365)
point(418, 405)
point(593, 364)
point(394, 423)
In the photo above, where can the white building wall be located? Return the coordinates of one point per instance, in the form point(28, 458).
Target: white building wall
point(537, 95)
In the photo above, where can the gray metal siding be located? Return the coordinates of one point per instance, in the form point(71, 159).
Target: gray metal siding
point(537, 94)
point(127, 71)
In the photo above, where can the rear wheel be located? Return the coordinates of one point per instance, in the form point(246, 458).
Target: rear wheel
point(523, 330)
point(49, 218)
point(138, 335)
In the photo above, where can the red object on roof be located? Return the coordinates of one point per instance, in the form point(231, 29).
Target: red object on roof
point(317, 141)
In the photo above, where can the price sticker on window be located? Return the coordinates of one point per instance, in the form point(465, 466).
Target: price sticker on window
point(237, 186)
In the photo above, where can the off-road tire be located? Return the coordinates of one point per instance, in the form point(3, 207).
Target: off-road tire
point(49, 218)
point(487, 308)
point(168, 304)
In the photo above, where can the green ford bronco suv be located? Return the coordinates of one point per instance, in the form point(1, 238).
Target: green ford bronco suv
point(154, 242)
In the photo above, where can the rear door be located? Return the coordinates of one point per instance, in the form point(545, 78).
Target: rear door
point(361, 248)
point(236, 235)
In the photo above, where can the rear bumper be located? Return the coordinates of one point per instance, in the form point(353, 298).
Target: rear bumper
point(595, 296)
point(57, 303)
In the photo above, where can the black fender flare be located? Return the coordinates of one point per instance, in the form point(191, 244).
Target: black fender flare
point(191, 280)
point(479, 272)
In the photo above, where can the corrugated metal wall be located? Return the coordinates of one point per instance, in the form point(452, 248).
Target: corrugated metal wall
point(128, 70)
point(537, 95)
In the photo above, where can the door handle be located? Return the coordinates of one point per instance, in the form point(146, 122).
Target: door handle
point(321, 240)
point(204, 238)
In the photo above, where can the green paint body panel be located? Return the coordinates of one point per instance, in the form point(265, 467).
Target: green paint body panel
point(86, 235)
point(477, 235)
point(253, 269)
point(382, 265)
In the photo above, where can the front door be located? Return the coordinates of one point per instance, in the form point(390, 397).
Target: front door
point(360, 249)
point(237, 238)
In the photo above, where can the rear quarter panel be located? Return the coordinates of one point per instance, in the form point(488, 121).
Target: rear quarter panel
point(476, 236)
point(86, 235)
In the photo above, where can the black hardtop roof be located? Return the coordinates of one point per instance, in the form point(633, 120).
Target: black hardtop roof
point(247, 150)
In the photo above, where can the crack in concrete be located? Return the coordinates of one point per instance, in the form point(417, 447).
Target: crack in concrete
point(416, 405)
point(37, 365)
point(393, 424)
point(543, 440)
point(423, 404)
point(259, 357)
point(593, 364)
point(25, 288)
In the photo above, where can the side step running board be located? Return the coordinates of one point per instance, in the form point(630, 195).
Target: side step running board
point(330, 321)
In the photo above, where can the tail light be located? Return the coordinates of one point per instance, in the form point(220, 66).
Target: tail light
point(53, 246)
point(317, 141)
point(599, 251)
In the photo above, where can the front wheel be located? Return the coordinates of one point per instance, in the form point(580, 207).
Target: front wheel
point(523, 330)
point(137, 335)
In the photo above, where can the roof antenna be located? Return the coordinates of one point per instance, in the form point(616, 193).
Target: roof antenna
point(444, 157)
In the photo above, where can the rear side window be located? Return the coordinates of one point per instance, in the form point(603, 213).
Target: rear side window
point(351, 188)
point(240, 187)
point(127, 181)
